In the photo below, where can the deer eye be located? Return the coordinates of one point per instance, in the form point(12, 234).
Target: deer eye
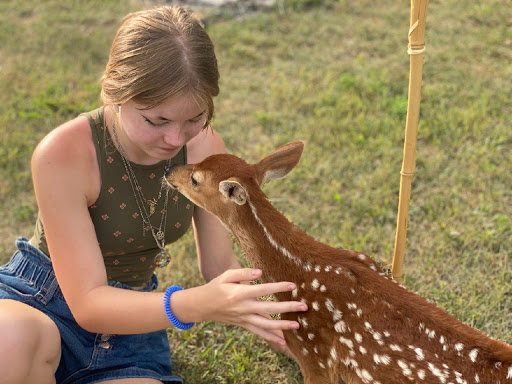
point(193, 181)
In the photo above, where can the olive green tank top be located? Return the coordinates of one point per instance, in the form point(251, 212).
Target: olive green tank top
point(128, 251)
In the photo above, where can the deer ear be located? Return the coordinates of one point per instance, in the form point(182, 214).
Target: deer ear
point(233, 191)
point(280, 162)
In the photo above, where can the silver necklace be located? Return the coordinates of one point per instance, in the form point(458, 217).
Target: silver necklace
point(163, 257)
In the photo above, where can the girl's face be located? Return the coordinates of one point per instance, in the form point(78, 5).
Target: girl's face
point(152, 135)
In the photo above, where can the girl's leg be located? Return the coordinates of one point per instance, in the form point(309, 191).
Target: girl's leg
point(29, 344)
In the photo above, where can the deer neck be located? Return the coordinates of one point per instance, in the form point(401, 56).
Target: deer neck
point(269, 240)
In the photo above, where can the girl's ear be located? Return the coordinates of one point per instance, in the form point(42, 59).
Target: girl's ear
point(279, 163)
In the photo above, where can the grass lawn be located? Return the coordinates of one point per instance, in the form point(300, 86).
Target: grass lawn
point(336, 75)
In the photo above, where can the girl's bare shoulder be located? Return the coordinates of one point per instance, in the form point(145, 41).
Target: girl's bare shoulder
point(207, 142)
point(68, 153)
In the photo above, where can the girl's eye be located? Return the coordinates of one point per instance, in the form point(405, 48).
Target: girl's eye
point(148, 121)
point(197, 119)
point(151, 123)
point(193, 181)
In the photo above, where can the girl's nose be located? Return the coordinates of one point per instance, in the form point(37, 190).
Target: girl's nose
point(174, 136)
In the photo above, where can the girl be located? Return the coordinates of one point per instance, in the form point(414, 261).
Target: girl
point(77, 299)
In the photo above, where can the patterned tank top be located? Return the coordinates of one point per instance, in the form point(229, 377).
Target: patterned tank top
point(128, 251)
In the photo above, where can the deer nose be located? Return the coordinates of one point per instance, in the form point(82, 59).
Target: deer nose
point(169, 169)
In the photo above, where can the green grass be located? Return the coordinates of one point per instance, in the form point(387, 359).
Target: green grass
point(335, 75)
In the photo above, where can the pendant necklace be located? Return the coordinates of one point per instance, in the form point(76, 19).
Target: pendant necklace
point(163, 257)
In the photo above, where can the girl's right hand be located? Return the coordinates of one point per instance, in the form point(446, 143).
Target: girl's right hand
point(229, 299)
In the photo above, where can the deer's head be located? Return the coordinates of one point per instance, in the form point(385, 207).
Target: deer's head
point(222, 182)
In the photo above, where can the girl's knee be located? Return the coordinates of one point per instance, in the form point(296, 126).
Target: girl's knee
point(30, 340)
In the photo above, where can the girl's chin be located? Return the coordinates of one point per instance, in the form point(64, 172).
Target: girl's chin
point(167, 153)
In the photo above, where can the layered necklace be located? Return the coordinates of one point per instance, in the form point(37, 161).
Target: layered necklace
point(163, 257)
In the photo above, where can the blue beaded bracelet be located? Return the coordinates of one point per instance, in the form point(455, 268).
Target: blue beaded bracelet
point(167, 306)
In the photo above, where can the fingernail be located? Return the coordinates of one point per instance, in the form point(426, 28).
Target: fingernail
point(256, 272)
point(294, 326)
point(292, 287)
point(303, 307)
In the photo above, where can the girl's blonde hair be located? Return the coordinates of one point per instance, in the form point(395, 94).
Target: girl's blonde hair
point(160, 53)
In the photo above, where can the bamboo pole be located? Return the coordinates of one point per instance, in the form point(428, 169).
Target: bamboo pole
point(415, 50)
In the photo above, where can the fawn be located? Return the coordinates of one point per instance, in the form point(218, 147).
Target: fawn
point(361, 326)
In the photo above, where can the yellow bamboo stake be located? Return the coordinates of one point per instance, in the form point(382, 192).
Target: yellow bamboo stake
point(416, 49)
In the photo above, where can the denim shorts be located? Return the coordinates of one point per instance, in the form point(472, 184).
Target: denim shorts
point(86, 357)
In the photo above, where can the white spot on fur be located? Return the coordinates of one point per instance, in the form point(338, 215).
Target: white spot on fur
point(419, 354)
point(365, 376)
point(327, 268)
point(315, 284)
point(340, 326)
point(381, 359)
point(347, 342)
point(334, 355)
point(303, 321)
point(315, 349)
point(315, 306)
point(477, 378)
point(405, 367)
point(323, 288)
point(361, 257)
point(430, 333)
point(396, 348)
point(437, 372)
point(311, 336)
point(509, 373)
point(459, 347)
point(307, 267)
point(294, 292)
point(317, 268)
point(338, 270)
point(387, 334)
point(362, 350)
point(336, 315)
point(321, 365)
point(421, 374)
point(442, 339)
point(473, 354)
point(358, 337)
point(305, 352)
